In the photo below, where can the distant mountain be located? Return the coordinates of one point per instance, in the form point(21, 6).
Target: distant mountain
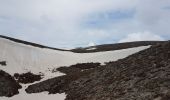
point(116, 46)
point(97, 48)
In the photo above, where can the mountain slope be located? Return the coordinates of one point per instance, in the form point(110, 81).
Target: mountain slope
point(142, 76)
point(22, 58)
point(19, 56)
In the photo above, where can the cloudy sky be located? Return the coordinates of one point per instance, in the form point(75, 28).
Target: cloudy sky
point(75, 23)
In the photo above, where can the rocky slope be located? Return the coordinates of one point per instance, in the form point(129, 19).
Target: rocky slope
point(60, 84)
point(8, 86)
point(28, 77)
point(141, 76)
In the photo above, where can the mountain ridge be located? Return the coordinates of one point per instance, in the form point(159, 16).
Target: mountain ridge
point(97, 48)
point(29, 43)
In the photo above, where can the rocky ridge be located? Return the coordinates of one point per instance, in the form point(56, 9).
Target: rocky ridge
point(8, 86)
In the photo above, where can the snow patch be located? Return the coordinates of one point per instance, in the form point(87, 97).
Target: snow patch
point(36, 96)
point(91, 48)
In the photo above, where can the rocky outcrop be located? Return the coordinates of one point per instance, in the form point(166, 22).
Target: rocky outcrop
point(8, 86)
point(77, 68)
point(26, 78)
point(3, 63)
point(56, 85)
point(60, 84)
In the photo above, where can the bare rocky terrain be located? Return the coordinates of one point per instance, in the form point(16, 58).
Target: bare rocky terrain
point(61, 83)
point(8, 86)
point(141, 76)
point(77, 68)
point(26, 78)
point(3, 63)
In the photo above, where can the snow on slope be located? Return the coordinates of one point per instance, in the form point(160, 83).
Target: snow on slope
point(23, 58)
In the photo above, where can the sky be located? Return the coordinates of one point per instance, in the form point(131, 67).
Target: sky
point(79, 23)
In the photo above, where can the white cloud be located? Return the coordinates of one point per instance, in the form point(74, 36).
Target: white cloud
point(62, 13)
point(55, 20)
point(151, 15)
point(141, 36)
point(61, 22)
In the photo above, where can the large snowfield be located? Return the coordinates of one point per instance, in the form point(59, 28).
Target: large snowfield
point(23, 58)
